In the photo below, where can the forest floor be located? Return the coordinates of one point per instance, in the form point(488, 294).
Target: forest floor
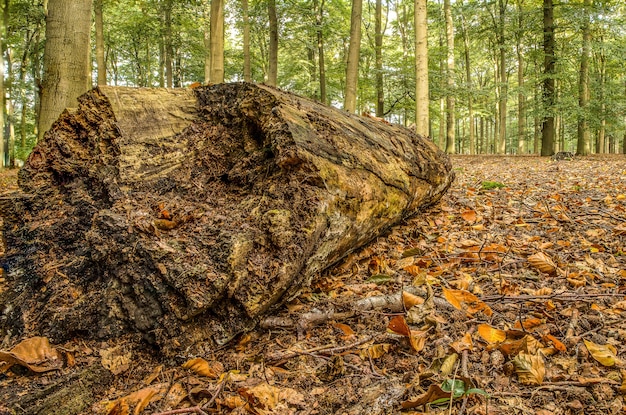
point(508, 297)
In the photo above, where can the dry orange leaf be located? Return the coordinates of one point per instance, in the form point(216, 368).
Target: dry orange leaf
point(417, 339)
point(542, 263)
point(375, 351)
point(605, 354)
point(465, 343)
point(469, 215)
point(491, 334)
point(347, 330)
point(139, 400)
point(530, 368)
point(398, 325)
point(35, 353)
point(410, 300)
point(202, 367)
point(466, 301)
point(433, 393)
point(529, 324)
point(558, 345)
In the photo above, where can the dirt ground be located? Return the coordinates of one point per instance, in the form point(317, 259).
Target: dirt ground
point(508, 297)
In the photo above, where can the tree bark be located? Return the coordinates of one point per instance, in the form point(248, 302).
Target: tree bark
point(503, 81)
point(521, 96)
point(217, 41)
point(470, 100)
point(67, 63)
point(352, 67)
point(99, 26)
point(378, 49)
point(186, 215)
point(548, 130)
point(584, 138)
point(247, 73)
point(421, 68)
point(319, 18)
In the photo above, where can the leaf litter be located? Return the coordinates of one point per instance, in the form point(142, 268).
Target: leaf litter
point(507, 297)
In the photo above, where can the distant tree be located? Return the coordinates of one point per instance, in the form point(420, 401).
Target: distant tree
point(247, 72)
point(217, 41)
point(450, 100)
point(548, 130)
point(272, 75)
point(67, 63)
point(99, 26)
point(584, 141)
point(352, 68)
point(421, 68)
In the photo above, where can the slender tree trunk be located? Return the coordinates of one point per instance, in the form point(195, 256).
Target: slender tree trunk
point(9, 131)
point(169, 51)
point(378, 49)
point(450, 100)
point(521, 97)
point(601, 83)
point(247, 72)
point(206, 40)
point(272, 77)
point(217, 41)
point(549, 91)
point(468, 75)
point(352, 67)
point(66, 58)
point(4, 151)
point(421, 69)
point(502, 76)
point(99, 25)
point(319, 18)
point(584, 141)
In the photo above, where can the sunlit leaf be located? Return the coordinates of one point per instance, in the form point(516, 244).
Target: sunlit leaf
point(605, 354)
point(491, 334)
point(380, 279)
point(542, 263)
point(469, 215)
point(417, 339)
point(529, 324)
point(530, 368)
point(202, 367)
point(465, 343)
point(447, 366)
point(35, 353)
point(375, 351)
point(555, 342)
point(466, 301)
point(347, 330)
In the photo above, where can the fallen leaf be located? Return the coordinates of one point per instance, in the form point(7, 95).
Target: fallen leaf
point(375, 351)
point(605, 354)
point(491, 334)
point(116, 359)
point(433, 393)
point(555, 342)
point(347, 330)
point(202, 367)
point(465, 343)
point(466, 301)
point(410, 300)
point(398, 325)
point(530, 368)
point(35, 354)
point(542, 263)
point(469, 215)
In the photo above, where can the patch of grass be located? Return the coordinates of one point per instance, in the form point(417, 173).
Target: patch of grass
point(488, 185)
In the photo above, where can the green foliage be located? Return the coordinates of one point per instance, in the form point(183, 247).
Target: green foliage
point(489, 185)
point(458, 389)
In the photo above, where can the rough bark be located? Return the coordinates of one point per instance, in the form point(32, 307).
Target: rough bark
point(421, 68)
point(186, 215)
point(217, 41)
point(354, 50)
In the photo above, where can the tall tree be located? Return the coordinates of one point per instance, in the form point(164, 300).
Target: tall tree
point(206, 41)
point(354, 49)
point(450, 100)
point(167, 43)
point(378, 46)
point(584, 142)
point(67, 63)
point(247, 72)
point(272, 76)
point(468, 75)
point(502, 78)
point(319, 21)
point(3, 147)
point(421, 68)
point(521, 96)
point(99, 26)
point(548, 131)
point(217, 41)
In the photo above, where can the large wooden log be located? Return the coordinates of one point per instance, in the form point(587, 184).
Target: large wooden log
point(184, 215)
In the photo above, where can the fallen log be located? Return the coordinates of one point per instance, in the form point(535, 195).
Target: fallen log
point(186, 215)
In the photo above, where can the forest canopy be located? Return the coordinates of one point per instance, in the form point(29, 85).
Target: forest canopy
point(497, 80)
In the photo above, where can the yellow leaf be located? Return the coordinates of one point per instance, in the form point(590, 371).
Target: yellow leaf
point(417, 339)
point(469, 215)
point(464, 343)
point(375, 351)
point(530, 368)
point(447, 366)
point(542, 263)
point(491, 334)
point(466, 301)
point(605, 354)
point(211, 369)
point(35, 353)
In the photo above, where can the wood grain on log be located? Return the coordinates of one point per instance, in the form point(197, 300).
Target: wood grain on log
point(186, 215)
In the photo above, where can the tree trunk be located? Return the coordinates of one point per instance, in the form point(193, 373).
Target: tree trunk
point(601, 99)
point(186, 215)
point(167, 40)
point(100, 62)
point(468, 75)
point(352, 67)
point(247, 72)
point(272, 76)
point(548, 131)
point(206, 41)
point(450, 100)
point(521, 96)
point(217, 41)
point(319, 18)
point(584, 140)
point(378, 48)
point(503, 81)
point(67, 61)
point(3, 147)
point(421, 68)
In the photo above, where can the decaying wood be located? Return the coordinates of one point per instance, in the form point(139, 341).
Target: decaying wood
point(186, 215)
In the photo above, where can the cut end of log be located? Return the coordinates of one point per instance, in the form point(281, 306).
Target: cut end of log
point(187, 215)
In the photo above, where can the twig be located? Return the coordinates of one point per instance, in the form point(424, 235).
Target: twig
point(215, 395)
point(321, 349)
point(560, 297)
point(191, 410)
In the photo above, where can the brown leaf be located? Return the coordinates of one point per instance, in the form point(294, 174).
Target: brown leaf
point(410, 300)
point(469, 215)
point(530, 368)
point(35, 354)
point(466, 301)
point(433, 393)
point(542, 263)
point(202, 367)
point(398, 325)
point(375, 351)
